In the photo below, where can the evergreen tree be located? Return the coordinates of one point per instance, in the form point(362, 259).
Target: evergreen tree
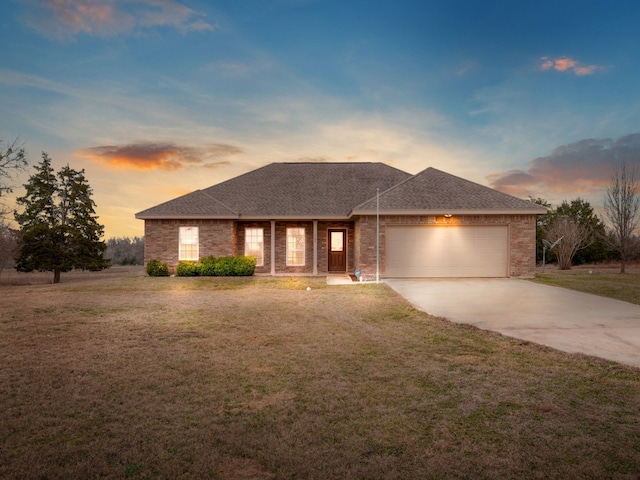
point(60, 230)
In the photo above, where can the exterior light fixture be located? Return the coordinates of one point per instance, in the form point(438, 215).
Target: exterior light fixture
point(447, 215)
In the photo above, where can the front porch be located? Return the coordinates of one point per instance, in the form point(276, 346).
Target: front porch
point(312, 247)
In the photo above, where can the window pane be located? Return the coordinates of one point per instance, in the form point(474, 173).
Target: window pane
point(254, 244)
point(337, 241)
point(188, 243)
point(295, 247)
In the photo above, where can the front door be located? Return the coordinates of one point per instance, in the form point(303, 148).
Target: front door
point(337, 250)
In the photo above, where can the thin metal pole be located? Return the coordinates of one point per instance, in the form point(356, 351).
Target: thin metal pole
point(377, 235)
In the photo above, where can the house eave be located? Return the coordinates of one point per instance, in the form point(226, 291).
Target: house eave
point(452, 211)
point(185, 217)
point(293, 217)
point(244, 217)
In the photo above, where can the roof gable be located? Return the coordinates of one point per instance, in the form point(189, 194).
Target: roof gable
point(435, 191)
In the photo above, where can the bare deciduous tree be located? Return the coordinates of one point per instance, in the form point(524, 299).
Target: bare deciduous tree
point(8, 244)
point(12, 161)
point(574, 237)
point(622, 210)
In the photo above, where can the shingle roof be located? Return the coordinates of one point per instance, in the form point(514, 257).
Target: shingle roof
point(301, 190)
point(338, 190)
point(434, 191)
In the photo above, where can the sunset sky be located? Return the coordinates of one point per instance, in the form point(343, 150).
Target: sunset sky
point(156, 98)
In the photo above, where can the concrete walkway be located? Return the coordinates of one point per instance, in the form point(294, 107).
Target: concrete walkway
point(559, 318)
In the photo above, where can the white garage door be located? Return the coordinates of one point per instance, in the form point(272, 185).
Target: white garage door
point(447, 251)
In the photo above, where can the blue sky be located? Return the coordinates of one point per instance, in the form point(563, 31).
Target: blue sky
point(156, 98)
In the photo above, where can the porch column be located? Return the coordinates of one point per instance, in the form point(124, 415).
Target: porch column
point(273, 247)
point(315, 247)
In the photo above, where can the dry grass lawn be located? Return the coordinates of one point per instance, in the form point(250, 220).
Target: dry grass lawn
point(117, 375)
point(602, 279)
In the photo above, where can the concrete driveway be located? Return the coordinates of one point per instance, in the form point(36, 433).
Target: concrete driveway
point(556, 317)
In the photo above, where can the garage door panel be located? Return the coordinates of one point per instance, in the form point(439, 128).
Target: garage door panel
point(452, 251)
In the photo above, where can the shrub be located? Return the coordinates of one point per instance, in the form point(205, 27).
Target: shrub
point(224, 267)
point(155, 268)
point(244, 266)
point(187, 269)
point(235, 266)
point(207, 266)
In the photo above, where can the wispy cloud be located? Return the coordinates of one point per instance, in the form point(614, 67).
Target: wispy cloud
point(567, 64)
point(583, 167)
point(239, 69)
point(158, 156)
point(63, 19)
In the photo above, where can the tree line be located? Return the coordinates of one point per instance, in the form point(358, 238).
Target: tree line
point(573, 234)
point(125, 250)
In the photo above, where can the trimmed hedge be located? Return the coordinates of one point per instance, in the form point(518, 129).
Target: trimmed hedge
point(155, 268)
point(207, 266)
point(238, 265)
point(187, 269)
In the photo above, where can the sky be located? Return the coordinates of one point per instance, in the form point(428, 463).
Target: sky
point(157, 98)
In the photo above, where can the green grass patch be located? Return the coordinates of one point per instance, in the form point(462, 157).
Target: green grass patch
point(610, 284)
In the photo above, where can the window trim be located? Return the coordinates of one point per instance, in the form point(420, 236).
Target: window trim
point(182, 235)
point(302, 233)
point(247, 252)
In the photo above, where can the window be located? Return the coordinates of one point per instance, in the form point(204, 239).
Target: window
point(295, 247)
point(337, 241)
point(188, 244)
point(254, 244)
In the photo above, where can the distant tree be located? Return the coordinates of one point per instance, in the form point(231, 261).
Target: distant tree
point(125, 251)
point(622, 210)
point(542, 223)
point(12, 161)
point(573, 235)
point(59, 228)
point(581, 211)
point(8, 244)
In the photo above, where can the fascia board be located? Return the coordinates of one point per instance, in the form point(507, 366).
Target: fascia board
point(443, 211)
point(186, 217)
point(242, 217)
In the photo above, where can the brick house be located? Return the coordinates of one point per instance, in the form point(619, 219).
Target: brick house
point(321, 218)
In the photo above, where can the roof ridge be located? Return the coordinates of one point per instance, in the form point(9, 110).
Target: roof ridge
point(393, 187)
point(219, 202)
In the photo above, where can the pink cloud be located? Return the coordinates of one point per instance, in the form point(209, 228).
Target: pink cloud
point(546, 63)
point(563, 64)
point(581, 168)
point(158, 155)
point(66, 18)
point(585, 70)
point(567, 64)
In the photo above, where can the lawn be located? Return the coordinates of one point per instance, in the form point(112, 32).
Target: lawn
point(117, 375)
point(603, 279)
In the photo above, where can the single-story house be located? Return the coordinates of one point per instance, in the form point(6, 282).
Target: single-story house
point(322, 218)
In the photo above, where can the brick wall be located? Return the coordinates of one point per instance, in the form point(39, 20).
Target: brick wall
point(522, 239)
point(225, 237)
point(217, 238)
